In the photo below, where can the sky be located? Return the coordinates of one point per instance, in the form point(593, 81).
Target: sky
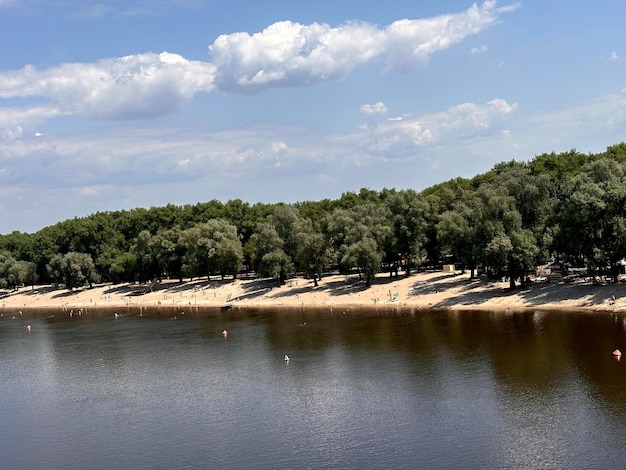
point(110, 105)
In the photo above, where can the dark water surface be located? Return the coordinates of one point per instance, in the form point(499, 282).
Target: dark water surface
point(395, 390)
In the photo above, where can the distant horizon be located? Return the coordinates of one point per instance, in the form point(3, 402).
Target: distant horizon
point(252, 203)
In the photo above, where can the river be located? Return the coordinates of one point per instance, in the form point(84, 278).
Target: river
point(362, 389)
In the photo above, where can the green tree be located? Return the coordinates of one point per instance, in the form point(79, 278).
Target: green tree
point(167, 253)
point(408, 211)
point(74, 269)
point(513, 255)
point(146, 260)
point(213, 246)
point(560, 166)
point(287, 223)
point(441, 198)
point(269, 257)
point(487, 228)
point(592, 221)
point(6, 265)
point(366, 255)
point(196, 251)
point(457, 234)
point(312, 253)
point(124, 267)
point(23, 273)
point(19, 244)
point(351, 231)
point(230, 255)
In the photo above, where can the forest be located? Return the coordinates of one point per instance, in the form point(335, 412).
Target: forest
point(568, 207)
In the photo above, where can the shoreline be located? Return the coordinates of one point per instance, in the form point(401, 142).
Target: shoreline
point(430, 290)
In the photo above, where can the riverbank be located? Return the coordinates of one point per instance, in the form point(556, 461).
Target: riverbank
point(420, 290)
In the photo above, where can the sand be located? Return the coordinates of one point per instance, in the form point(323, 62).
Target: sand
point(432, 290)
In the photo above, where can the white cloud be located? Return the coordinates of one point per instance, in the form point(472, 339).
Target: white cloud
point(403, 137)
point(136, 86)
point(479, 50)
point(126, 165)
point(136, 157)
point(413, 42)
point(272, 154)
point(292, 54)
point(149, 85)
point(16, 122)
point(372, 109)
point(613, 57)
point(120, 160)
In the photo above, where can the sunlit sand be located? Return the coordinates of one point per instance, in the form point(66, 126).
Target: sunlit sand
point(420, 291)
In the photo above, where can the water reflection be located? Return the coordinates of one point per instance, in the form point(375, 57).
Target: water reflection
point(362, 389)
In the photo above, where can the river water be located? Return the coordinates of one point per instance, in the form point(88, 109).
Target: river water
point(362, 389)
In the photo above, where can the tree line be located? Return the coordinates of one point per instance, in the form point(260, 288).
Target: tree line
point(567, 206)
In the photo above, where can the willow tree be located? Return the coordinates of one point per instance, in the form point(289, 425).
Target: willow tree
point(366, 255)
point(359, 236)
point(592, 220)
point(74, 269)
point(408, 219)
point(312, 251)
point(269, 258)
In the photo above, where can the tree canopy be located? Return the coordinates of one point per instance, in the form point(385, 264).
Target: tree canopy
point(567, 206)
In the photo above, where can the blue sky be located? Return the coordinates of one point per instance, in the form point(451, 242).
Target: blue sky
point(108, 105)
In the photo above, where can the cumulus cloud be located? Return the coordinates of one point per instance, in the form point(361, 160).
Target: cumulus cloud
point(411, 43)
point(272, 155)
point(292, 54)
point(613, 57)
point(460, 122)
point(372, 109)
point(286, 53)
point(135, 86)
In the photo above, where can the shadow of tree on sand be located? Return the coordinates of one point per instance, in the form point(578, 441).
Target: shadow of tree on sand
point(66, 293)
point(117, 289)
point(41, 290)
point(535, 294)
point(256, 289)
point(334, 288)
point(433, 286)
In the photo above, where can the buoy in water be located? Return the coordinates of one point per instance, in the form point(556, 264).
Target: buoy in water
point(286, 358)
point(224, 333)
point(617, 352)
point(28, 327)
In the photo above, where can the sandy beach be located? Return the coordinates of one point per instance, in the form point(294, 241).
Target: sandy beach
point(420, 291)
